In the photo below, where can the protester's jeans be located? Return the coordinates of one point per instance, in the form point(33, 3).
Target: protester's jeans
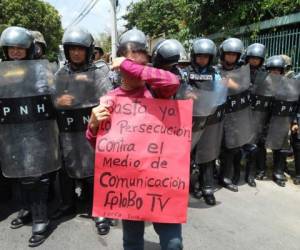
point(169, 235)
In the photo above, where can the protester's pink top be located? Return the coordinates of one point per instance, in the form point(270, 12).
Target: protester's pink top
point(164, 84)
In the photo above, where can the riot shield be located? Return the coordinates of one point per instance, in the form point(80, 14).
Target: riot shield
point(29, 144)
point(238, 129)
point(84, 90)
point(262, 96)
point(238, 79)
point(284, 107)
point(207, 95)
point(209, 145)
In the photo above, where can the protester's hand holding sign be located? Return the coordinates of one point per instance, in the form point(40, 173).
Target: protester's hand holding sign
point(99, 114)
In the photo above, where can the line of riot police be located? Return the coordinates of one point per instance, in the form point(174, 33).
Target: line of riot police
point(43, 123)
point(243, 106)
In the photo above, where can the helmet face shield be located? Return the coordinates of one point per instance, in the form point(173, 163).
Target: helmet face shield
point(275, 62)
point(17, 37)
point(256, 50)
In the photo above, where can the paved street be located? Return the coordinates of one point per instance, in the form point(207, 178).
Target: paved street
point(266, 218)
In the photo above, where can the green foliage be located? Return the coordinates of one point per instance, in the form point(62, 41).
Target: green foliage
point(159, 17)
point(104, 40)
point(183, 19)
point(34, 15)
point(218, 15)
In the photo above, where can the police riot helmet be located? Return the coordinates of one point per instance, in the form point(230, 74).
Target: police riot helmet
point(203, 46)
point(231, 45)
point(167, 52)
point(78, 37)
point(132, 40)
point(275, 62)
point(17, 37)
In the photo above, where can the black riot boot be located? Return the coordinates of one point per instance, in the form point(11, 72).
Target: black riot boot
point(67, 192)
point(195, 181)
point(23, 218)
point(296, 149)
point(261, 166)
point(279, 159)
point(226, 169)
point(102, 224)
point(38, 195)
point(207, 182)
point(24, 214)
point(251, 150)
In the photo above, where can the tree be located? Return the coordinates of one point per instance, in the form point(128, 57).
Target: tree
point(159, 17)
point(186, 19)
point(104, 40)
point(210, 16)
point(34, 15)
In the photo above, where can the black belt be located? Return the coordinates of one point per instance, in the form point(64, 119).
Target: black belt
point(284, 108)
point(73, 120)
point(238, 102)
point(217, 116)
point(26, 109)
point(261, 103)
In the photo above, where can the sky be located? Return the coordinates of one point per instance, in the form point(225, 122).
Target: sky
point(97, 21)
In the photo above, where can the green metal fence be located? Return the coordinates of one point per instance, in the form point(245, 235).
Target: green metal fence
point(286, 40)
point(281, 42)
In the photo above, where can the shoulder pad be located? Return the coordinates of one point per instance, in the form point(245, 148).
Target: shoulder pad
point(100, 63)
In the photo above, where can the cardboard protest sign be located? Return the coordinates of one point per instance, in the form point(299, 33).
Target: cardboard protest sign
point(142, 160)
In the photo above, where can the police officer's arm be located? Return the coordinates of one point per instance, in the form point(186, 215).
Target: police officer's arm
point(65, 100)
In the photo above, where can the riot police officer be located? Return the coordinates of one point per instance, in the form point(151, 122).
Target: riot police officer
point(237, 122)
point(79, 84)
point(166, 55)
point(286, 94)
point(288, 67)
point(295, 141)
point(40, 45)
point(29, 148)
point(209, 94)
point(98, 53)
point(255, 57)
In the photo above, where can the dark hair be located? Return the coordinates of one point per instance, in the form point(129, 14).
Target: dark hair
point(100, 50)
point(123, 49)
